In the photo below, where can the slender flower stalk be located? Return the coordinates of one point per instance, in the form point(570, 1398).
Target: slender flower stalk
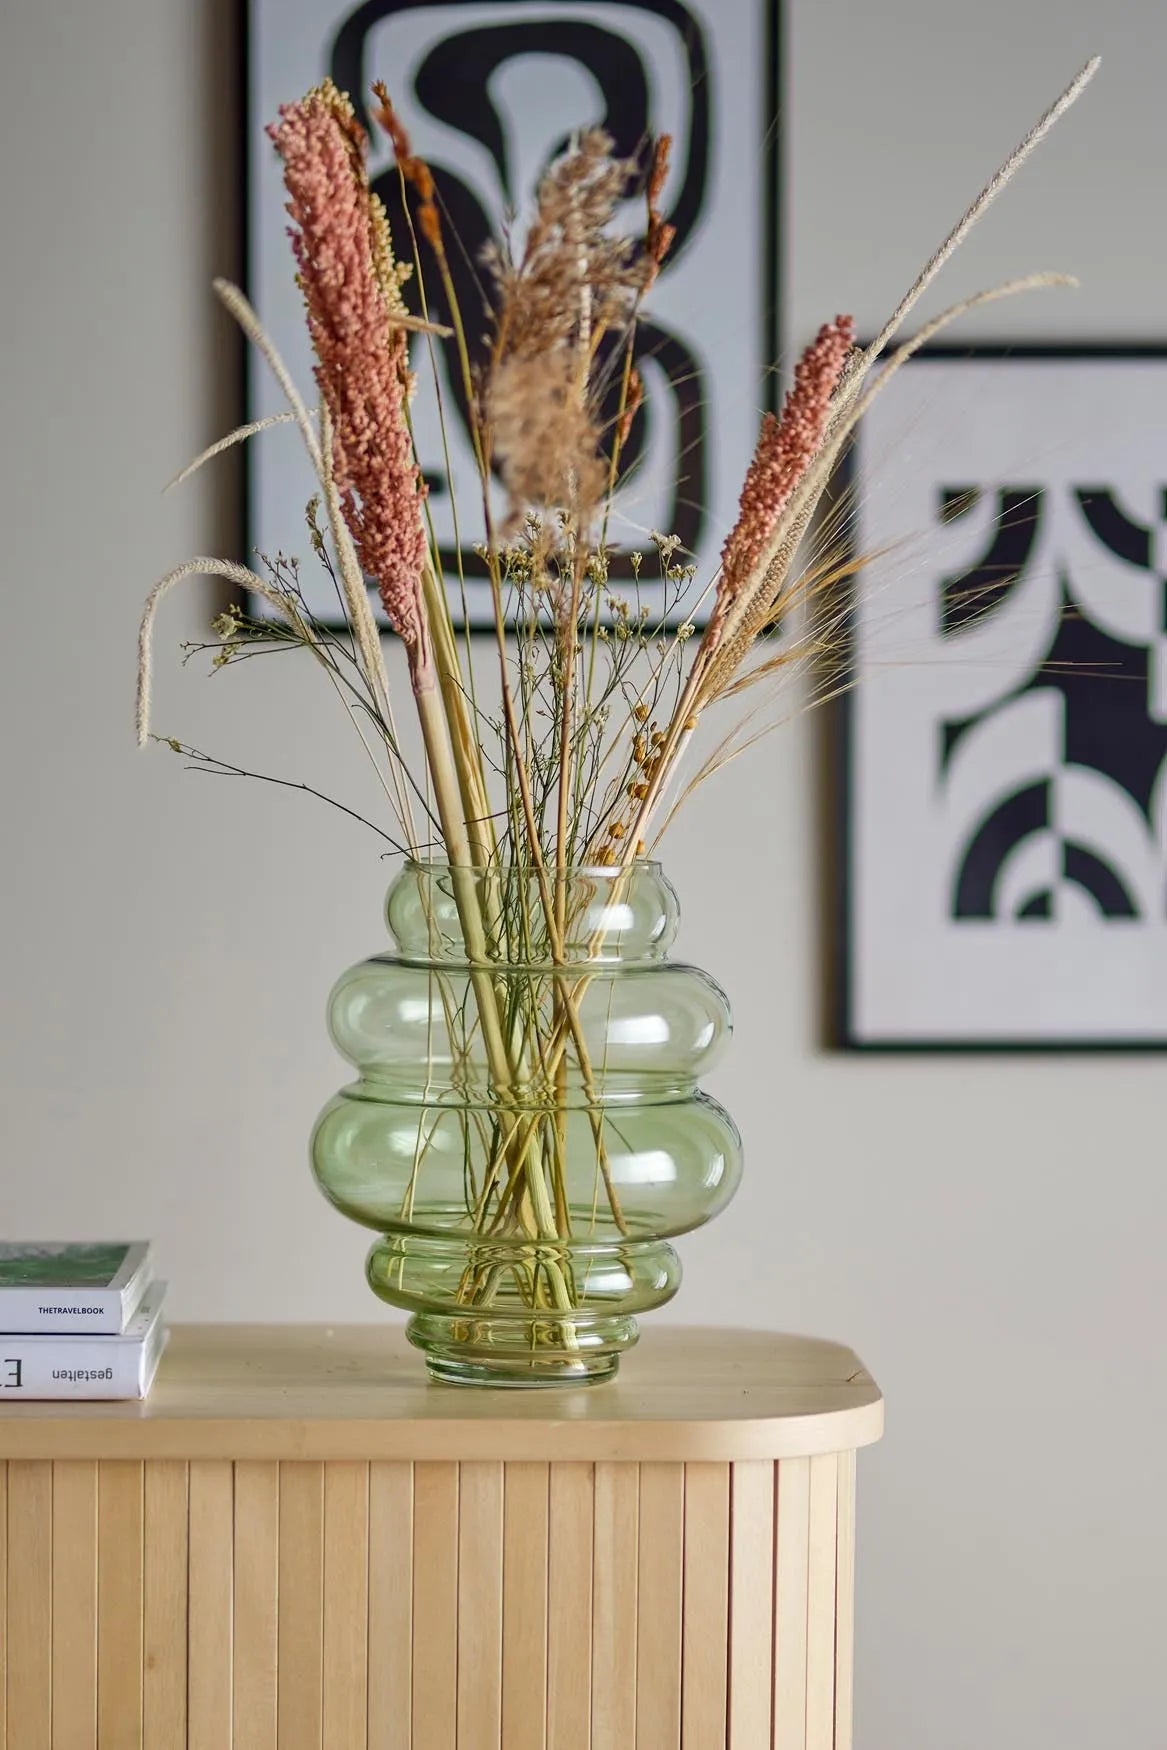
point(785, 450)
point(341, 243)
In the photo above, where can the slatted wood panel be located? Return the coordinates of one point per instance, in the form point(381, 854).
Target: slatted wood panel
point(390, 1606)
point(255, 1595)
point(524, 1637)
point(164, 1634)
point(3, 1606)
point(705, 1611)
point(30, 1604)
point(74, 1650)
point(340, 1605)
point(791, 1596)
point(845, 1601)
point(119, 1603)
point(820, 1602)
point(300, 1625)
point(570, 1532)
point(615, 1564)
point(346, 1606)
point(480, 1604)
point(660, 1595)
point(434, 1690)
point(751, 1598)
point(210, 1575)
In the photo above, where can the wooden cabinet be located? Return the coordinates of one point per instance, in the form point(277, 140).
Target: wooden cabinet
point(300, 1544)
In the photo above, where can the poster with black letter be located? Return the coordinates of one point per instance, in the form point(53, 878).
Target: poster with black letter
point(490, 92)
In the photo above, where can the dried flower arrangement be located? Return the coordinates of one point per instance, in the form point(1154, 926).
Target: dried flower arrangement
point(579, 767)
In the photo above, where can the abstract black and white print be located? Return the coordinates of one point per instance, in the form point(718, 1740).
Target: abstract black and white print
point(490, 91)
point(1006, 741)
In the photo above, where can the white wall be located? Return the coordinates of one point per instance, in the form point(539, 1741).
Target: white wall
point(986, 1231)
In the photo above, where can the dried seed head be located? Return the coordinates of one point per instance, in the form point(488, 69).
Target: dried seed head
point(786, 447)
point(340, 238)
point(659, 235)
point(542, 439)
point(415, 170)
point(631, 406)
point(572, 282)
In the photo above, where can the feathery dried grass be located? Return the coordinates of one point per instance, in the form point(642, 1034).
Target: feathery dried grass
point(573, 283)
point(574, 278)
point(543, 438)
point(239, 436)
point(225, 568)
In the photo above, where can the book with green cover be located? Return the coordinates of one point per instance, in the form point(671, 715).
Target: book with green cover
point(86, 1286)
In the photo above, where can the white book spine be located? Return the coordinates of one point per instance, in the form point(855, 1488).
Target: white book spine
point(98, 1311)
point(91, 1369)
point(67, 1371)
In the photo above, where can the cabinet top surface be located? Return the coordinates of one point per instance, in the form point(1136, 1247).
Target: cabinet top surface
point(360, 1392)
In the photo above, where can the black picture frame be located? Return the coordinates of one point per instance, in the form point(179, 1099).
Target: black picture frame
point(839, 840)
point(769, 217)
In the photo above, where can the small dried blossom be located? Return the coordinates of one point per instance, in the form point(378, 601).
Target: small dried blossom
point(659, 235)
point(631, 406)
point(415, 170)
point(312, 519)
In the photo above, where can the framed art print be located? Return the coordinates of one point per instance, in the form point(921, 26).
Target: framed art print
point(1005, 739)
point(491, 91)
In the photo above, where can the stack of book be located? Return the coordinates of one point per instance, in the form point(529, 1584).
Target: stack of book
point(78, 1320)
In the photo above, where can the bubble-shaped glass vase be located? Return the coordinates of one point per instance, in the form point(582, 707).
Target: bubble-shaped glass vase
point(526, 1133)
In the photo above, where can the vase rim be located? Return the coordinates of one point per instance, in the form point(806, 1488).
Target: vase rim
point(593, 871)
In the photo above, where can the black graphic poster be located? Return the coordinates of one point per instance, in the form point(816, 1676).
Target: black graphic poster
point(1006, 744)
point(490, 92)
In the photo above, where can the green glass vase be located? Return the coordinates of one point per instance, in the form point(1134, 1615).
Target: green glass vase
point(526, 1134)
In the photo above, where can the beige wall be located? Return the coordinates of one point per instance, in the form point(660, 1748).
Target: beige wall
point(988, 1232)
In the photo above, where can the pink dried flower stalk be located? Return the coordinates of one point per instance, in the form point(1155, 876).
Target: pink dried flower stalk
point(785, 449)
point(341, 243)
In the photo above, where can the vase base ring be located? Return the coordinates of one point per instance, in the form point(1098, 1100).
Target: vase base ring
point(512, 1352)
